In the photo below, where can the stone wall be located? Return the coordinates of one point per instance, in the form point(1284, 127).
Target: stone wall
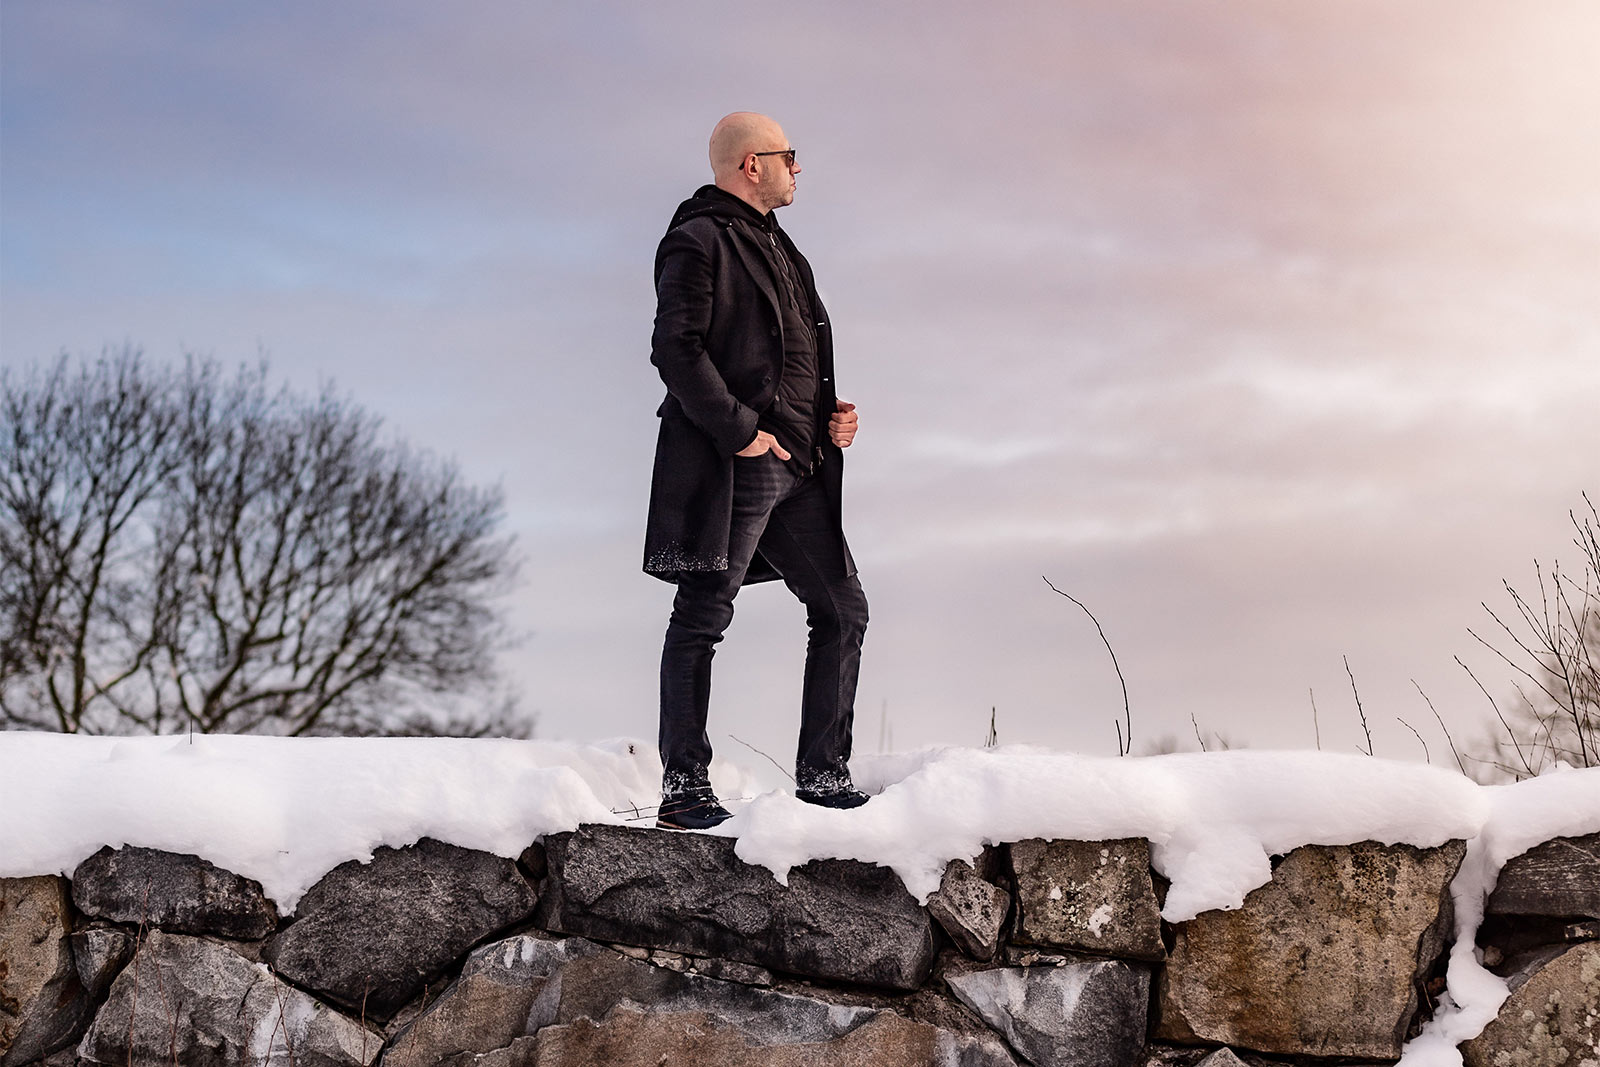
point(624, 946)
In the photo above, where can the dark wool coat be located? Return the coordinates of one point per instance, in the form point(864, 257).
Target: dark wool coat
point(718, 345)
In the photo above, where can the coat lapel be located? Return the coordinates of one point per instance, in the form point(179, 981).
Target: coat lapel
point(755, 263)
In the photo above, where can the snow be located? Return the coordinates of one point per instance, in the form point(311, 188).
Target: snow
point(1214, 820)
point(284, 811)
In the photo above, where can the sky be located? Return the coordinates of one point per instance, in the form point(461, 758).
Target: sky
point(1269, 332)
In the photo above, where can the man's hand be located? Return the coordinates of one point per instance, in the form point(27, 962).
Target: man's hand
point(842, 424)
point(763, 444)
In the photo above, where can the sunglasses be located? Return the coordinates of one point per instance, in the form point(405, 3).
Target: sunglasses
point(786, 153)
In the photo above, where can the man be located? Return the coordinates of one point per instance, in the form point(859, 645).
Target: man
point(748, 465)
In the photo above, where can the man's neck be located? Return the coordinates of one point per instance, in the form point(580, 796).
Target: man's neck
point(746, 195)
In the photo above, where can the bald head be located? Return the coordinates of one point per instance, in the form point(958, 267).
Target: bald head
point(739, 134)
point(744, 160)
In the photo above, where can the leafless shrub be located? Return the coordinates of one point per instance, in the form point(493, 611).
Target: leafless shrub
point(1552, 643)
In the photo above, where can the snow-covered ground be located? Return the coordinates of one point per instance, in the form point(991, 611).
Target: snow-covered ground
point(284, 811)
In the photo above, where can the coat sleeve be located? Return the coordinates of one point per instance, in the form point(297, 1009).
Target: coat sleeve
point(684, 289)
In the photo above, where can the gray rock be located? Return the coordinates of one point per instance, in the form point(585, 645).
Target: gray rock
point(1223, 1057)
point(971, 910)
point(1157, 1055)
point(535, 983)
point(836, 919)
point(961, 1049)
point(177, 892)
point(532, 862)
point(1323, 960)
point(672, 961)
point(756, 1026)
point(1559, 878)
point(520, 1053)
point(42, 1003)
point(99, 953)
point(729, 971)
point(593, 986)
point(196, 1002)
point(1519, 968)
point(1079, 1015)
point(407, 1015)
point(370, 936)
point(1551, 1020)
point(1088, 896)
point(1024, 956)
point(491, 1004)
point(574, 995)
point(632, 1038)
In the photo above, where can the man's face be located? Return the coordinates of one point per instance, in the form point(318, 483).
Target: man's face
point(777, 174)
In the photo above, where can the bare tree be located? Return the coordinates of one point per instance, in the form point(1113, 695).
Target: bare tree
point(188, 549)
point(1552, 643)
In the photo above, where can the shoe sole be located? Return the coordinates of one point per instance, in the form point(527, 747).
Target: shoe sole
point(662, 824)
point(823, 803)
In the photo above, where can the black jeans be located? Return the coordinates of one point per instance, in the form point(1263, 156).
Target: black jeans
point(785, 516)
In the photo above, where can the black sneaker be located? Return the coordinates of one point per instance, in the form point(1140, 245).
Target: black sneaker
point(698, 810)
point(848, 797)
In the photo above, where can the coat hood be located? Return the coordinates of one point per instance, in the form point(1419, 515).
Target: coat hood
point(709, 200)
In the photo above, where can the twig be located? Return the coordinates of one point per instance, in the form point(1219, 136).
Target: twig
point(650, 811)
point(1124, 743)
point(1361, 710)
point(366, 987)
point(1509, 661)
point(1197, 736)
point(282, 1021)
point(1316, 726)
point(994, 738)
point(1425, 757)
point(1546, 722)
point(1509, 732)
point(1503, 768)
point(763, 755)
point(1453, 751)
